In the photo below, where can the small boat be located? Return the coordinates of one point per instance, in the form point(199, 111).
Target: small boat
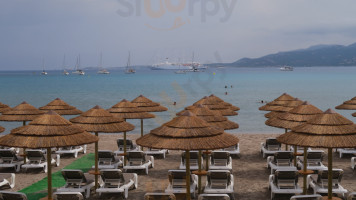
point(65, 72)
point(195, 67)
point(43, 68)
point(77, 70)
point(129, 69)
point(286, 68)
point(102, 70)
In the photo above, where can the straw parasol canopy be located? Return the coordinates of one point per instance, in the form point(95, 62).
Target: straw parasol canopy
point(2, 129)
point(219, 100)
point(4, 107)
point(127, 110)
point(214, 118)
point(61, 107)
point(100, 120)
point(147, 105)
point(286, 107)
point(354, 114)
point(22, 112)
point(47, 131)
point(187, 132)
point(325, 130)
point(213, 105)
point(348, 105)
point(280, 101)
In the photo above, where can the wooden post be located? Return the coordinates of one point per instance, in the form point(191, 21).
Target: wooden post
point(24, 149)
point(330, 173)
point(49, 173)
point(305, 170)
point(141, 131)
point(96, 162)
point(295, 155)
point(285, 131)
point(187, 171)
point(125, 146)
point(199, 170)
point(207, 161)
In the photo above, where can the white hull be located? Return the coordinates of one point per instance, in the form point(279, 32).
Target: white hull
point(103, 72)
point(79, 72)
point(286, 68)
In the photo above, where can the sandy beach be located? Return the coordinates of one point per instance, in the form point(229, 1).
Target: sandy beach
point(250, 171)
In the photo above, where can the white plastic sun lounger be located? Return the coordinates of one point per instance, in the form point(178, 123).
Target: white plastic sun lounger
point(351, 196)
point(307, 197)
point(153, 152)
point(233, 150)
point(270, 147)
point(284, 182)
point(9, 159)
point(129, 146)
point(77, 181)
point(108, 160)
point(159, 196)
point(136, 160)
point(314, 160)
point(7, 179)
point(343, 151)
point(220, 182)
point(37, 159)
point(114, 181)
point(177, 182)
point(281, 160)
point(68, 196)
point(72, 150)
point(213, 197)
point(194, 158)
point(12, 195)
point(353, 163)
point(320, 186)
point(220, 160)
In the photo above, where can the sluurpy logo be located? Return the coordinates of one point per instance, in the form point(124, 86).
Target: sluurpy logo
point(170, 16)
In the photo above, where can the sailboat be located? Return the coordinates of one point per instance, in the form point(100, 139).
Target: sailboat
point(65, 72)
point(102, 70)
point(129, 69)
point(43, 66)
point(180, 71)
point(77, 70)
point(194, 66)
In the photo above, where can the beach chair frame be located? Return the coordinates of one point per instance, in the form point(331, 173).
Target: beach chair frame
point(233, 150)
point(76, 183)
point(108, 160)
point(314, 160)
point(136, 160)
point(7, 179)
point(343, 151)
point(270, 147)
point(284, 181)
point(220, 160)
point(9, 159)
point(281, 160)
point(37, 159)
point(69, 195)
point(159, 196)
point(220, 182)
point(13, 195)
point(193, 161)
point(213, 197)
point(72, 150)
point(320, 186)
point(308, 197)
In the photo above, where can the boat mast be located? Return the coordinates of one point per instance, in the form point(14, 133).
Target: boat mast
point(128, 62)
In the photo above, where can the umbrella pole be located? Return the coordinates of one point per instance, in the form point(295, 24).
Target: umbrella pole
point(124, 148)
point(24, 149)
point(330, 172)
point(187, 167)
point(199, 170)
point(285, 131)
point(305, 170)
point(141, 131)
point(207, 161)
point(49, 173)
point(96, 161)
point(295, 155)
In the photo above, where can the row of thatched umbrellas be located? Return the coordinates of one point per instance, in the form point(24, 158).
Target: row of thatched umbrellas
point(51, 130)
point(310, 127)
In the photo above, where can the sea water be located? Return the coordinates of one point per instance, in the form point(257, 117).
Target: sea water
point(324, 87)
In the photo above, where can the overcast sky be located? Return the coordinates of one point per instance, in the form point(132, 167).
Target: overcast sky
point(216, 30)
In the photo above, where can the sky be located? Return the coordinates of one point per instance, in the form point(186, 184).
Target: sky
point(151, 30)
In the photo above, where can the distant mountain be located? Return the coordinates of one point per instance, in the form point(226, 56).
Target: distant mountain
point(319, 55)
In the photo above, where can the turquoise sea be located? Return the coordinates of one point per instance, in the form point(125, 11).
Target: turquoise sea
point(324, 87)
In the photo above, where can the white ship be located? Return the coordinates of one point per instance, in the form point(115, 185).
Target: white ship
point(167, 65)
point(286, 68)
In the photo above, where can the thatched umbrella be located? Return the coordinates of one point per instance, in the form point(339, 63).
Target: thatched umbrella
point(326, 130)
point(280, 101)
point(47, 131)
point(21, 113)
point(187, 132)
point(99, 120)
point(293, 118)
point(219, 100)
point(127, 110)
point(4, 107)
point(285, 107)
point(61, 107)
point(214, 118)
point(2, 129)
point(348, 105)
point(213, 105)
point(354, 114)
point(147, 105)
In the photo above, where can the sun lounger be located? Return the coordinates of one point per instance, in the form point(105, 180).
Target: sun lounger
point(213, 197)
point(108, 160)
point(5, 195)
point(220, 182)
point(136, 160)
point(37, 159)
point(353, 162)
point(129, 146)
point(284, 182)
point(314, 160)
point(114, 181)
point(351, 196)
point(320, 186)
point(7, 179)
point(153, 152)
point(300, 149)
point(68, 196)
point(77, 181)
point(281, 160)
point(343, 151)
point(194, 155)
point(220, 160)
point(17, 150)
point(233, 150)
point(159, 196)
point(307, 197)
point(270, 147)
point(72, 150)
point(9, 159)
point(177, 182)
